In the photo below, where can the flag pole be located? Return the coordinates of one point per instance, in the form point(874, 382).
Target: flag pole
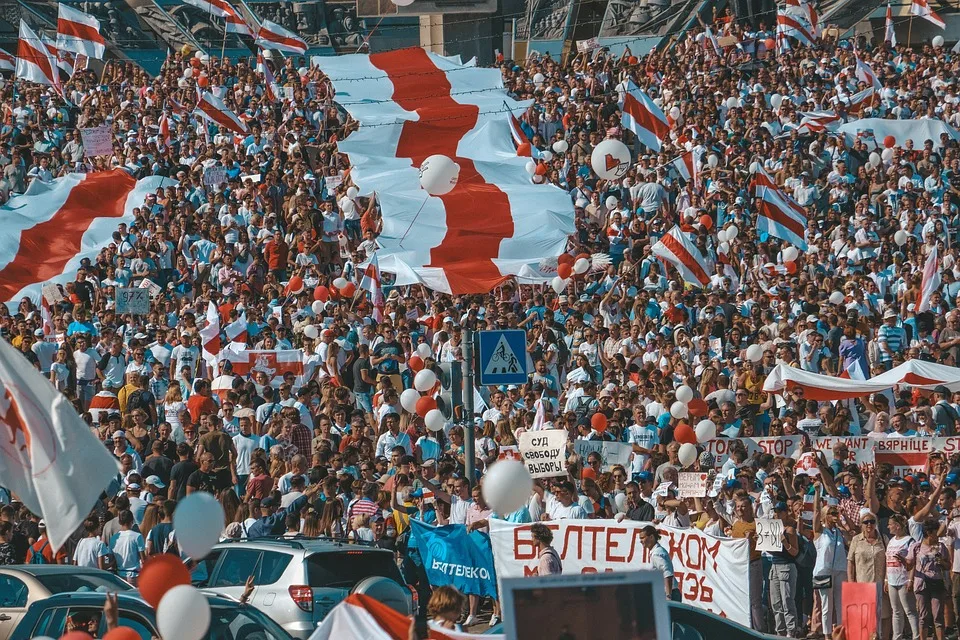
point(909, 30)
point(223, 47)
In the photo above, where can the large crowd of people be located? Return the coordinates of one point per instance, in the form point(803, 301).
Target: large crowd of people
point(618, 341)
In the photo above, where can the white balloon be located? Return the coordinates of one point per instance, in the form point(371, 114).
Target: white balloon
point(776, 100)
point(722, 236)
point(424, 380)
point(198, 522)
point(679, 410)
point(938, 41)
point(546, 156)
point(538, 79)
point(408, 399)
point(537, 179)
point(612, 202)
point(706, 431)
point(582, 265)
point(184, 612)
point(887, 155)
point(837, 297)
point(424, 350)
point(530, 167)
point(754, 353)
point(724, 247)
point(610, 159)
point(875, 159)
point(732, 232)
point(713, 160)
point(558, 284)
point(439, 175)
point(317, 307)
point(507, 486)
point(311, 330)
point(790, 254)
point(684, 394)
point(340, 283)
point(434, 420)
point(560, 146)
point(732, 102)
point(621, 502)
point(754, 166)
point(352, 192)
point(675, 113)
point(687, 454)
point(188, 72)
point(900, 237)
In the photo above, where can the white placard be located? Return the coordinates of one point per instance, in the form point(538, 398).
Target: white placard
point(97, 141)
point(333, 182)
point(151, 286)
point(611, 453)
point(544, 452)
point(133, 300)
point(587, 45)
point(214, 177)
point(51, 293)
point(693, 484)
point(769, 534)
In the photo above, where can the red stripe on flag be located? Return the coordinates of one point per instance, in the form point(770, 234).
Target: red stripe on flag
point(46, 248)
point(644, 118)
point(478, 213)
point(677, 249)
point(219, 117)
point(26, 51)
point(773, 212)
point(79, 30)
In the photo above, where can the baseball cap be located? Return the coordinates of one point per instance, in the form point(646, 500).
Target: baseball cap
point(155, 481)
point(119, 434)
point(643, 476)
point(267, 502)
point(38, 333)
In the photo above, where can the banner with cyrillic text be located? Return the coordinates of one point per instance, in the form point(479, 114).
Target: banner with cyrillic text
point(711, 572)
point(544, 452)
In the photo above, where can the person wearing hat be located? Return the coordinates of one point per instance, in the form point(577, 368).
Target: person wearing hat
point(944, 415)
point(891, 338)
point(40, 552)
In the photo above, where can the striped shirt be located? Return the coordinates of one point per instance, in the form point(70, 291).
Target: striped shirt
point(894, 338)
point(363, 507)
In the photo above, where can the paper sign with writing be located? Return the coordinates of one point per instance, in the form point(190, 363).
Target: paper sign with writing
point(151, 286)
point(769, 534)
point(213, 177)
point(693, 484)
point(133, 300)
point(97, 141)
point(611, 453)
point(333, 182)
point(51, 293)
point(587, 45)
point(544, 452)
point(860, 609)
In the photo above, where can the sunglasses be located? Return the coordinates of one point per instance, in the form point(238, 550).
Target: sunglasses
point(869, 522)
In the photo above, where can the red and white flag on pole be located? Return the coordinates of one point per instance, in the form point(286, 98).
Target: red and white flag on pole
point(34, 62)
point(79, 33)
point(212, 108)
point(865, 73)
point(643, 117)
point(7, 61)
point(677, 249)
point(236, 24)
point(273, 36)
point(164, 125)
point(921, 9)
point(48, 456)
point(778, 214)
point(688, 164)
point(371, 282)
point(236, 331)
point(65, 61)
point(210, 335)
point(795, 26)
point(269, 82)
point(931, 280)
point(890, 35)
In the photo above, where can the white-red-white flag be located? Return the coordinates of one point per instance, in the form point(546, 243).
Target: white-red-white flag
point(34, 62)
point(269, 81)
point(7, 61)
point(889, 34)
point(778, 214)
point(234, 22)
point(931, 280)
point(48, 456)
point(212, 108)
point(921, 9)
point(210, 335)
point(236, 331)
point(643, 117)
point(65, 60)
point(79, 33)
point(371, 282)
point(164, 124)
point(677, 249)
point(273, 36)
point(275, 364)
point(688, 164)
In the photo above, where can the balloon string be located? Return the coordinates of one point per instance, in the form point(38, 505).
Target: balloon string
point(412, 222)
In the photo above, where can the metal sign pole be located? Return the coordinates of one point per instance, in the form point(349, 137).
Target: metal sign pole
point(467, 417)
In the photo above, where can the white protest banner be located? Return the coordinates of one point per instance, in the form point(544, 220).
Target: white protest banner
point(544, 452)
point(51, 293)
point(769, 534)
point(151, 286)
point(587, 45)
point(252, 177)
point(97, 141)
point(288, 93)
point(906, 455)
point(333, 182)
point(861, 449)
point(133, 300)
point(710, 571)
point(213, 177)
point(509, 452)
point(693, 484)
point(783, 446)
point(611, 453)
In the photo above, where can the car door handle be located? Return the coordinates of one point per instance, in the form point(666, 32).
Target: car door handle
point(4, 617)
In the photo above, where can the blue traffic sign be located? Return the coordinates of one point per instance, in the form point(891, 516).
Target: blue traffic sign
point(503, 357)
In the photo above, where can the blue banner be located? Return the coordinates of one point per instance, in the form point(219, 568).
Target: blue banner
point(453, 557)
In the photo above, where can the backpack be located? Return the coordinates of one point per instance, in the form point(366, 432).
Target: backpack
point(136, 401)
point(807, 555)
point(36, 555)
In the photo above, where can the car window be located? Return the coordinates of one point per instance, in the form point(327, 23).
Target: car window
point(51, 622)
point(67, 583)
point(272, 566)
point(243, 623)
point(210, 561)
point(13, 592)
point(236, 567)
point(346, 568)
point(81, 619)
point(138, 624)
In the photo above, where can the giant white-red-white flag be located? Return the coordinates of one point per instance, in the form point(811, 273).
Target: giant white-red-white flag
point(48, 456)
point(643, 117)
point(495, 224)
point(677, 249)
point(212, 108)
point(921, 9)
point(930, 281)
point(778, 214)
point(34, 62)
point(79, 33)
point(49, 229)
point(272, 36)
point(371, 282)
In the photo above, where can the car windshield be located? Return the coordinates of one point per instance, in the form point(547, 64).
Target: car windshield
point(232, 622)
point(346, 569)
point(69, 582)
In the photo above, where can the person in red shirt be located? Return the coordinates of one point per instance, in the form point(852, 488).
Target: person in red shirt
point(42, 547)
point(201, 402)
point(277, 253)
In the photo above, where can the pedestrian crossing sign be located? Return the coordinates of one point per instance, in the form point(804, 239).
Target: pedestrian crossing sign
point(503, 357)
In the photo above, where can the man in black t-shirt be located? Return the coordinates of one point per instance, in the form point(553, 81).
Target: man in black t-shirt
point(204, 478)
point(182, 471)
point(638, 509)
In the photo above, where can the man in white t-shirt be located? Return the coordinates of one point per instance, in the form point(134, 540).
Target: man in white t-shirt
point(644, 437)
point(562, 504)
point(183, 355)
point(128, 547)
point(246, 443)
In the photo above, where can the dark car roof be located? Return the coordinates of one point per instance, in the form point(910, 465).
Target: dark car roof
point(49, 569)
point(123, 597)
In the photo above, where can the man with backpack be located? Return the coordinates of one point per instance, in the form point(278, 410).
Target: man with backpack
point(944, 415)
point(135, 395)
point(40, 552)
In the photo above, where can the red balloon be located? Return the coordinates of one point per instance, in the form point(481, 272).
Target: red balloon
point(706, 221)
point(195, 63)
point(769, 44)
point(588, 472)
point(585, 256)
point(334, 293)
point(632, 60)
point(523, 149)
point(295, 285)
point(321, 293)
point(599, 422)
point(889, 142)
point(791, 267)
point(122, 633)
point(349, 290)
point(76, 635)
point(564, 271)
point(684, 433)
point(541, 169)
point(566, 258)
point(161, 573)
point(415, 363)
point(424, 405)
point(697, 407)
point(202, 81)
